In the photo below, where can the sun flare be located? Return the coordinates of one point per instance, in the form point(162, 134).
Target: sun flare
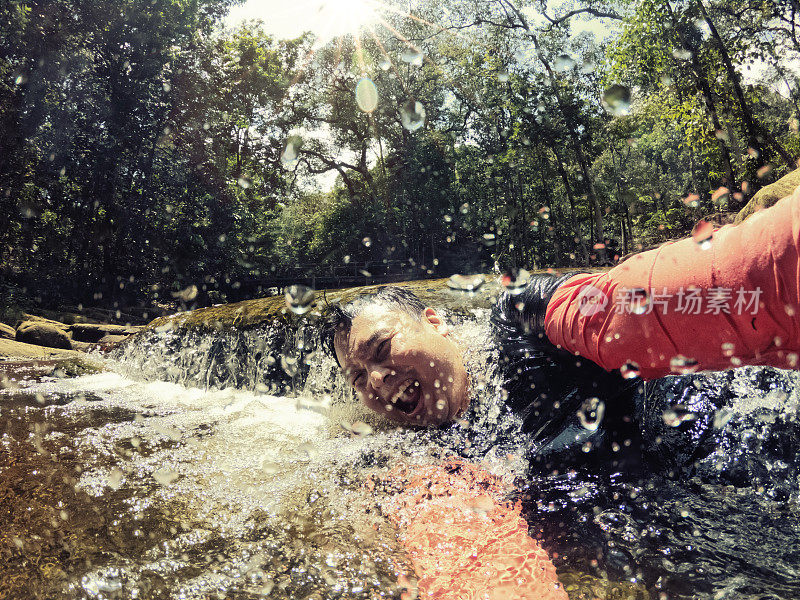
point(326, 19)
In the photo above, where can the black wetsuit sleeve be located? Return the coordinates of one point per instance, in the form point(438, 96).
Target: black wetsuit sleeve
point(546, 386)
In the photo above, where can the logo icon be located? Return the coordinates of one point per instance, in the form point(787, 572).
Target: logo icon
point(591, 301)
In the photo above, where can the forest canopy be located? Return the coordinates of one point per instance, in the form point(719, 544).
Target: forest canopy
point(147, 148)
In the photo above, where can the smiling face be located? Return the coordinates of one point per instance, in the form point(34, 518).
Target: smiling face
point(407, 369)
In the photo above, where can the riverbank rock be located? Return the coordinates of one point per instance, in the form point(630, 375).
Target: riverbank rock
point(95, 332)
point(7, 332)
point(43, 333)
point(439, 293)
point(770, 194)
point(13, 350)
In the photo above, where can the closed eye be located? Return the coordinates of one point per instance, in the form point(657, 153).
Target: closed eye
point(383, 349)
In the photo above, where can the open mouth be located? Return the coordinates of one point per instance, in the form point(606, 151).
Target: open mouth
point(406, 398)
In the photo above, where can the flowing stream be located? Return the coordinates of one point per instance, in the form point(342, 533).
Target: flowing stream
point(214, 465)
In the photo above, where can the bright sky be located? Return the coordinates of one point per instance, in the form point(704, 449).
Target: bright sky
point(288, 20)
point(332, 18)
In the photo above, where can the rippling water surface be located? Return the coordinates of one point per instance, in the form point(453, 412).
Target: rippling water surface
point(192, 469)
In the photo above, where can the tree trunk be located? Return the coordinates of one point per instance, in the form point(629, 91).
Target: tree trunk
point(753, 128)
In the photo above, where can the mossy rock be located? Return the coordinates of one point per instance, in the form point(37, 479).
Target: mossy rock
point(252, 313)
point(770, 194)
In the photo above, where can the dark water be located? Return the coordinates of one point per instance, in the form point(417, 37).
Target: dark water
point(112, 486)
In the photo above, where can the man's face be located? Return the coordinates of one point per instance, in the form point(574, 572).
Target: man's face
point(404, 368)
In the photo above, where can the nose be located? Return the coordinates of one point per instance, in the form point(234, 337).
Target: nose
point(377, 374)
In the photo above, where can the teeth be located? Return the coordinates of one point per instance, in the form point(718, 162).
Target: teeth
point(404, 393)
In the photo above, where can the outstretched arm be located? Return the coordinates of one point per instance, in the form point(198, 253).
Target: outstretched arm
point(733, 300)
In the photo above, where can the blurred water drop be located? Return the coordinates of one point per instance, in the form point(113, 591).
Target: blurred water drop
point(617, 100)
point(269, 467)
point(299, 298)
point(289, 365)
point(681, 54)
point(385, 64)
point(590, 413)
point(367, 241)
point(588, 68)
point(165, 476)
point(676, 415)
point(464, 208)
point(640, 301)
point(366, 95)
point(465, 283)
point(563, 62)
point(630, 370)
point(291, 153)
point(243, 183)
point(115, 478)
point(666, 80)
point(412, 115)
point(187, 294)
point(728, 349)
point(502, 77)
point(764, 171)
point(516, 281)
point(692, 201)
point(413, 57)
point(721, 417)
point(683, 365)
point(358, 428)
point(702, 234)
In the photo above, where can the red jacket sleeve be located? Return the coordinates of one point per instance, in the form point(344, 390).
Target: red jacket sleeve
point(687, 306)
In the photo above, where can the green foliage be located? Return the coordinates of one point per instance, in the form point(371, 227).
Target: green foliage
point(142, 145)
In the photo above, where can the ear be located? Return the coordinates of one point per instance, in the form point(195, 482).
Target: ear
point(432, 317)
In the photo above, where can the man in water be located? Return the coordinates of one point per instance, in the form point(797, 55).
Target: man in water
point(574, 342)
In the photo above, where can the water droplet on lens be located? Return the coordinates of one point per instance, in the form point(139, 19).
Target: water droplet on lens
point(299, 299)
point(385, 64)
point(489, 239)
point(728, 349)
point(412, 115)
point(702, 234)
point(114, 478)
point(291, 153)
point(367, 241)
point(591, 412)
point(289, 365)
point(681, 54)
point(413, 57)
point(165, 476)
point(502, 77)
point(366, 95)
point(187, 294)
point(683, 365)
point(692, 201)
point(676, 415)
point(358, 428)
point(563, 62)
point(640, 301)
point(465, 283)
point(629, 370)
point(516, 281)
point(617, 100)
point(721, 417)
